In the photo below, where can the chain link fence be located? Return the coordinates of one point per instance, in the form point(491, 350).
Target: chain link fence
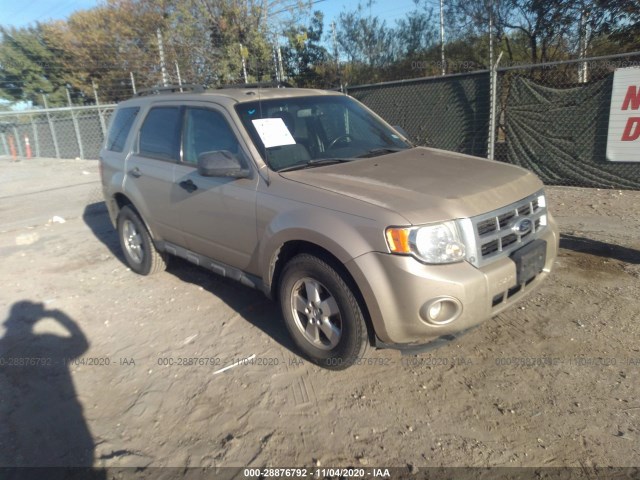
point(74, 132)
point(557, 126)
point(450, 112)
point(552, 118)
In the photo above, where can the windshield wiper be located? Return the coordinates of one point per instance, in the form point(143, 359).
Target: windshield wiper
point(317, 162)
point(376, 152)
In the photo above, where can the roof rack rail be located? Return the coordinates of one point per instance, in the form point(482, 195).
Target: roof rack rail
point(170, 89)
point(258, 85)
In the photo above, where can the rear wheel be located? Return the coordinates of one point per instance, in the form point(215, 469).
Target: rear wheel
point(137, 245)
point(321, 313)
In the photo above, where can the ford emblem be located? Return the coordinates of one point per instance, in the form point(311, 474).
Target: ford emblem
point(522, 227)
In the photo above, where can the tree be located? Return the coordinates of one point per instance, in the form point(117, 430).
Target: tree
point(368, 44)
point(417, 31)
point(544, 30)
point(364, 38)
point(619, 25)
point(104, 45)
point(28, 66)
point(303, 55)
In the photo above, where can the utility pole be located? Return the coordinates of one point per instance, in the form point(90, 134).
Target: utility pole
point(280, 66)
point(582, 48)
point(444, 70)
point(244, 65)
point(490, 34)
point(335, 43)
point(103, 125)
point(133, 82)
point(336, 53)
point(163, 66)
point(275, 62)
point(178, 74)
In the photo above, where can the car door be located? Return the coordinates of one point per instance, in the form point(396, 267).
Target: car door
point(218, 214)
point(150, 171)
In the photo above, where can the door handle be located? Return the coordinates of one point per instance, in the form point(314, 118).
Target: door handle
point(188, 185)
point(136, 172)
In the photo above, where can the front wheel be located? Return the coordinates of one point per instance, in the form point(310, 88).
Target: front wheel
point(137, 245)
point(321, 313)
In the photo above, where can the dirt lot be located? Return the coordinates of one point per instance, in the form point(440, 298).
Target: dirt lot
point(552, 382)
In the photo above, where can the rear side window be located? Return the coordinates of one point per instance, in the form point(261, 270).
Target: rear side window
point(120, 128)
point(160, 134)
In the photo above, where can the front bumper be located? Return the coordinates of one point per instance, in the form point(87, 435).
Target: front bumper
point(397, 288)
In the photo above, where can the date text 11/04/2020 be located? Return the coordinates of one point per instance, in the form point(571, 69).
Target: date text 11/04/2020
point(325, 472)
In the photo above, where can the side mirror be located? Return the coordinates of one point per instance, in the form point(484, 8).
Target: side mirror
point(221, 163)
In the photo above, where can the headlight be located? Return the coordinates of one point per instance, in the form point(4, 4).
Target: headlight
point(439, 243)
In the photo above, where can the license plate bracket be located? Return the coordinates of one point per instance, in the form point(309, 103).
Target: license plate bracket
point(530, 260)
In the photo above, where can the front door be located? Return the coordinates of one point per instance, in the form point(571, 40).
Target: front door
point(218, 214)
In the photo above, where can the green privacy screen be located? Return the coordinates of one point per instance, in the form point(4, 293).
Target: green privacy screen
point(547, 122)
point(561, 134)
point(451, 113)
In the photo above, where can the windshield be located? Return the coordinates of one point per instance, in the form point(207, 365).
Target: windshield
point(305, 130)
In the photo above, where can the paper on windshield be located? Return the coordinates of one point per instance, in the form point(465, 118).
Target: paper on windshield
point(273, 132)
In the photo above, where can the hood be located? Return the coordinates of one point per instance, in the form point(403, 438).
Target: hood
point(423, 184)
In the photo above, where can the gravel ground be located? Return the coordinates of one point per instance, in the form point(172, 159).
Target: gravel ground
point(128, 366)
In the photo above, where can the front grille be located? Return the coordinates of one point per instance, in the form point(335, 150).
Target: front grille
point(498, 233)
point(524, 210)
point(489, 248)
point(504, 219)
point(508, 240)
point(487, 226)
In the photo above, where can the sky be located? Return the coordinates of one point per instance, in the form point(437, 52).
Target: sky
point(20, 13)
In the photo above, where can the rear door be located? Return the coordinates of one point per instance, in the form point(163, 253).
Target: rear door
point(150, 171)
point(219, 215)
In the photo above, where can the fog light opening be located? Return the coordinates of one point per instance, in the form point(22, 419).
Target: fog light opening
point(434, 311)
point(441, 311)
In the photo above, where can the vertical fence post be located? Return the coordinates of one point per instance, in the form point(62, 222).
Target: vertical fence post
point(76, 127)
point(52, 128)
point(36, 139)
point(4, 144)
point(492, 116)
point(18, 140)
point(12, 148)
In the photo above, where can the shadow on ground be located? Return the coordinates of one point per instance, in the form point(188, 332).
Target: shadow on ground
point(252, 305)
point(96, 217)
point(601, 249)
point(43, 422)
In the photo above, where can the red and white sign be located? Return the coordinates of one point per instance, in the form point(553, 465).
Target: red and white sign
point(623, 141)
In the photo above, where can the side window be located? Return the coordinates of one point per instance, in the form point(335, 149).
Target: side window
point(160, 134)
point(206, 131)
point(120, 128)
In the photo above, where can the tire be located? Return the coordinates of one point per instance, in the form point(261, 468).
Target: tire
point(137, 245)
point(321, 313)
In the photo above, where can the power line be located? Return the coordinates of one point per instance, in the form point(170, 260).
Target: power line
point(292, 6)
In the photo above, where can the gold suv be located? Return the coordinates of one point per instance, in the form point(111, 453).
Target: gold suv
point(309, 196)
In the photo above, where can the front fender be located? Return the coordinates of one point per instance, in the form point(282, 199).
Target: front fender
point(345, 236)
